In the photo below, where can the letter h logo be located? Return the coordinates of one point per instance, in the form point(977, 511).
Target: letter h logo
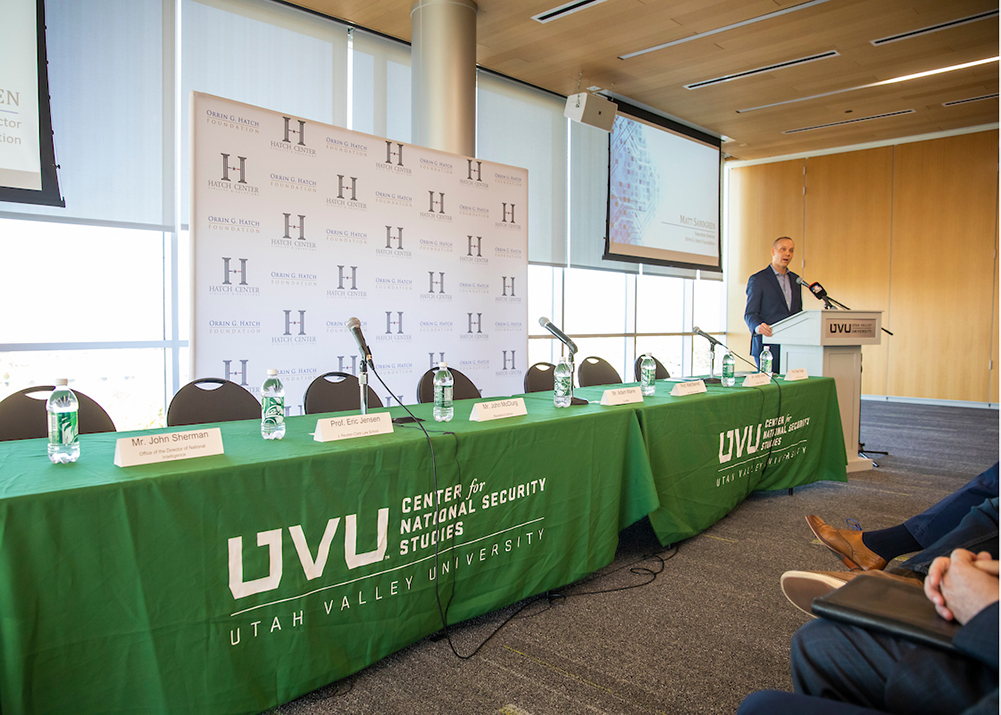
point(301, 322)
point(242, 168)
point(227, 271)
point(505, 219)
point(398, 237)
point(341, 187)
point(398, 322)
point(301, 226)
point(477, 322)
point(440, 203)
point(504, 278)
point(229, 374)
point(300, 132)
point(478, 244)
point(432, 363)
point(440, 282)
point(341, 277)
point(512, 360)
point(390, 153)
point(354, 364)
point(477, 171)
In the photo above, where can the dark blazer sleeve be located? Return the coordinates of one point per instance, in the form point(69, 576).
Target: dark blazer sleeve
point(752, 311)
point(979, 637)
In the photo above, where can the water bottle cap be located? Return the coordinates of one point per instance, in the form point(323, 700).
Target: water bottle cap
point(62, 382)
point(442, 365)
point(272, 372)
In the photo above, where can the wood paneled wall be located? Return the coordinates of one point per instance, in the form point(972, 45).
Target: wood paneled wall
point(910, 230)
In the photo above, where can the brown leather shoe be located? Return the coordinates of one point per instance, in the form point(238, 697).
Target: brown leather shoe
point(801, 587)
point(847, 545)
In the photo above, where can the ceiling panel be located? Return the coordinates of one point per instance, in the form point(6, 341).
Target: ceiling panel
point(585, 47)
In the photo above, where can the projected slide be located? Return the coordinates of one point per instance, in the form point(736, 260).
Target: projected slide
point(664, 196)
point(20, 163)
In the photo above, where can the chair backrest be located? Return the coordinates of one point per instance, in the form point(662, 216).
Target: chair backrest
point(22, 414)
point(336, 395)
point(198, 403)
point(662, 373)
point(597, 371)
point(462, 387)
point(540, 377)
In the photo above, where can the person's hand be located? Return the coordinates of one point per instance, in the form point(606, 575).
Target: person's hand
point(962, 584)
point(764, 329)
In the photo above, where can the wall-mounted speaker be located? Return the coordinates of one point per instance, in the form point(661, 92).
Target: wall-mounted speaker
point(590, 109)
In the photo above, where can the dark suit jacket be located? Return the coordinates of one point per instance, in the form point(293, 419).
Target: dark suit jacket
point(766, 304)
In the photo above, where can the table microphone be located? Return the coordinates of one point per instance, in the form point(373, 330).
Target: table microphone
point(354, 325)
point(707, 336)
point(558, 334)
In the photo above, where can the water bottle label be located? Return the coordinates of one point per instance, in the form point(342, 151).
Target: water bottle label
point(62, 428)
point(274, 411)
point(443, 396)
point(728, 369)
point(649, 375)
point(562, 385)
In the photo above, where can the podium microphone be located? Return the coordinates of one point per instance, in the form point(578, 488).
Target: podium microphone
point(354, 325)
point(558, 334)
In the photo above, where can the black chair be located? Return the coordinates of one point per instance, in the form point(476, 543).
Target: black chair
point(540, 377)
point(662, 373)
point(597, 371)
point(22, 414)
point(462, 387)
point(194, 404)
point(337, 395)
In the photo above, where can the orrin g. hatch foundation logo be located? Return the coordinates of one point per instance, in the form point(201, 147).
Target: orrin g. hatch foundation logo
point(293, 139)
point(292, 182)
point(346, 146)
point(234, 327)
point(232, 121)
point(436, 245)
point(235, 279)
point(234, 176)
point(293, 279)
point(294, 329)
point(474, 211)
point(355, 238)
point(233, 224)
point(437, 166)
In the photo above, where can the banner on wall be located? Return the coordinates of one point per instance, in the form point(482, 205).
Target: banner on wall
point(298, 226)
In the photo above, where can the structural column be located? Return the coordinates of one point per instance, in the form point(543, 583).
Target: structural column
point(443, 75)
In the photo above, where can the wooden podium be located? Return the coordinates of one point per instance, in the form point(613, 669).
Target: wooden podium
point(829, 343)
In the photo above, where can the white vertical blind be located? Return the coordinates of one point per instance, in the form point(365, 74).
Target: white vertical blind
point(380, 87)
point(521, 126)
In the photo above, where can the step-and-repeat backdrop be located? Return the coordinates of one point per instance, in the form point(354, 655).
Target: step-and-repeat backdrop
point(299, 226)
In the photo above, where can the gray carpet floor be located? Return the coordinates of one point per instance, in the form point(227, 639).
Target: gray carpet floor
point(712, 627)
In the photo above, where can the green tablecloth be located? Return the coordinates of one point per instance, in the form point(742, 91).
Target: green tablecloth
point(237, 582)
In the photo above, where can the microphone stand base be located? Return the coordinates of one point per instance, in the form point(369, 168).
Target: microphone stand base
point(577, 401)
point(712, 381)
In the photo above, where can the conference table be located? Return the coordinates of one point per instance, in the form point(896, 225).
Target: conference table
point(236, 582)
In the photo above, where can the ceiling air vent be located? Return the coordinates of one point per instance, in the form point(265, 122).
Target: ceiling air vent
point(971, 99)
point(849, 121)
point(563, 10)
point(764, 70)
point(934, 28)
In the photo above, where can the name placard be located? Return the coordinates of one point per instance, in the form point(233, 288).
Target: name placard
point(621, 396)
point(756, 379)
point(688, 388)
point(797, 374)
point(167, 447)
point(331, 429)
point(498, 410)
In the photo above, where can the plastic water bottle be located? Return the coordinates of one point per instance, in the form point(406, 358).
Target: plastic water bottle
point(729, 371)
point(64, 442)
point(765, 361)
point(648, 373)
point(272, 407)
point(562, 383)
point(443, 382)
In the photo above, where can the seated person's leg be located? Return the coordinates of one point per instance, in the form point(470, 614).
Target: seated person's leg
point(978, 531)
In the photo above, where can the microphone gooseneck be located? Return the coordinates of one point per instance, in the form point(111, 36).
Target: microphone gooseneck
point(558, 334)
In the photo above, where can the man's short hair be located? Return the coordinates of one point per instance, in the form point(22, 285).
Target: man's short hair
point(781, 238)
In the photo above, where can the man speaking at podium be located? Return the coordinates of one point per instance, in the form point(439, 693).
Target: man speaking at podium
point(772, 294)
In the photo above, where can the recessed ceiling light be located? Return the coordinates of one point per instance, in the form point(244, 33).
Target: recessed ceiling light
point(934, 28)
point(764, 70)
point(849, 121)
point(895, 80)
point(563, 10)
